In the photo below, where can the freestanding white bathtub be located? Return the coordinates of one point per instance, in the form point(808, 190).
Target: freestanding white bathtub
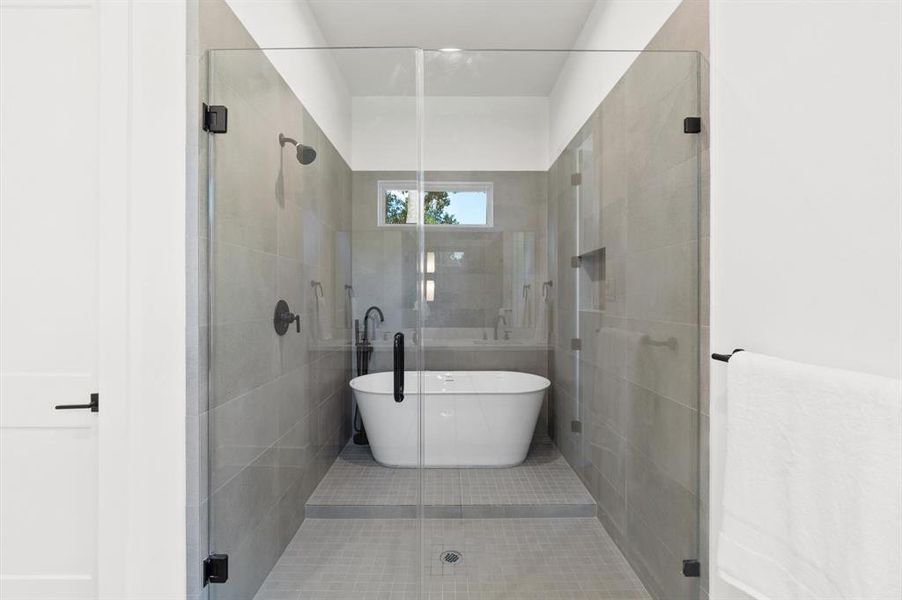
point(472, 418)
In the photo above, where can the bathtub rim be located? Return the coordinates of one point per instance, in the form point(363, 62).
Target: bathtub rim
point(546, 384)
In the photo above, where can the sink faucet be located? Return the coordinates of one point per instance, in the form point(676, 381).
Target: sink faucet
point(366, 322)
point(502, 322)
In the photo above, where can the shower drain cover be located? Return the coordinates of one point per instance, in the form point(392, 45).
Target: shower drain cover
point(452, 557)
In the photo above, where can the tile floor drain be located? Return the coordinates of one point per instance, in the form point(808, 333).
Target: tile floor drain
point(452, 557)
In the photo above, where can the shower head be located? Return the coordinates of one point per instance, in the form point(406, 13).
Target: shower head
point(306, 154)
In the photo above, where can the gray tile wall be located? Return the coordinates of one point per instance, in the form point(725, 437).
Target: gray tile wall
point(278, 408)
point(642, 306)
point(468, 295)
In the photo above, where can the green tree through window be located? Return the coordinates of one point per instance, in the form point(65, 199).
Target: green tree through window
point(396, 207)
point(435, 205)
point(436, 209)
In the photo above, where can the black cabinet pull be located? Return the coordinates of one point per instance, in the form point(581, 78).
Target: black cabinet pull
point(94, 405)
point(399, 367)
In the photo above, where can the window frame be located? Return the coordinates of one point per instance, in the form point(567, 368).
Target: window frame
point(445, 186)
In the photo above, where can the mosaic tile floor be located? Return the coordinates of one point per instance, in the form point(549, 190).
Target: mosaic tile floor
point(543, 486)
point(523, 559)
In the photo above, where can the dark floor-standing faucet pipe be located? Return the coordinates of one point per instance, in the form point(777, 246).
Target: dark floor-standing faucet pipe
point(364, 353)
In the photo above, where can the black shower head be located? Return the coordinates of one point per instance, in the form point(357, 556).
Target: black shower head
point(306, 154)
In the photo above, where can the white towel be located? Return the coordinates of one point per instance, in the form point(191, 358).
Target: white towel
point(543, 322)
point(323, 318)
point(524, 319)
point(351, 310)
point(812, 502)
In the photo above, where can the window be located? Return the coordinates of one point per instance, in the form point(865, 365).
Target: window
point(446, 203)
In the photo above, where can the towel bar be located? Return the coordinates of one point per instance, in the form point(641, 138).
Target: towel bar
point(726, 357)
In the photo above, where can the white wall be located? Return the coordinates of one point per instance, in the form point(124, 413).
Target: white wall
point(586, 79)
point(806, 194)
point(478, 133)
point(312, 74)
point(495, 134)
point(155, 295)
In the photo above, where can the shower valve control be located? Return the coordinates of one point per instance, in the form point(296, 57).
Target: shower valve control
point(283, 318)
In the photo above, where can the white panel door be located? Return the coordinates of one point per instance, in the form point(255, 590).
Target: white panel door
point(48, 298)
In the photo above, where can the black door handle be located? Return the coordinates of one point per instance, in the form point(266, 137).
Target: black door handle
point(94, 405)
point(399, 367)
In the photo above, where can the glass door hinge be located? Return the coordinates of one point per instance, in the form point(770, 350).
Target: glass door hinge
point(216, 568)
point(692, 568)
point(576, 426)
point(576, 344)
point(216, 119)
point(576, 179)
point(692, 125)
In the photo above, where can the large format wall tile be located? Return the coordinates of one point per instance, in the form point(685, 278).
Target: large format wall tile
point(246, 285)
point(662, 284)
point(244, 355)
point(663, 210)
point(664, 431)
point(473, 277)
point(662, 356)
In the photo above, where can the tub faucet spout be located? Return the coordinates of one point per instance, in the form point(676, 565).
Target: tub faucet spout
point(500, 322)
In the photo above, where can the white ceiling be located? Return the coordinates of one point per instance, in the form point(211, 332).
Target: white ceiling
point(468, 24)
point(467, 73)
point(452, 23)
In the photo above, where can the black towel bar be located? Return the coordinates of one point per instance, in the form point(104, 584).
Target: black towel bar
point(726, 357)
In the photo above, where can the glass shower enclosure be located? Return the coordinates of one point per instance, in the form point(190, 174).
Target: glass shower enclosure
point(526, 212)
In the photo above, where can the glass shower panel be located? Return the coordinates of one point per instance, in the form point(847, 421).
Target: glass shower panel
point(296, 255)
point(583, 270)
point(484, 317)
point(637, 292)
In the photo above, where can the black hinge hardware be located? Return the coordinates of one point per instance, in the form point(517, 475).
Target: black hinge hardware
point(216, 119)
point(692, 568)
point(692, 125)
point(216, 568)
point(93, 405)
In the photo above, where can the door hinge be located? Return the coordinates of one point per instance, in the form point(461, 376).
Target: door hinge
point(216, 119)
point(576, 179)
point(216, 568)
point(691, 568)
point(575, 261)
point(576, 344)
point(692, 125)
point(576, 426)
